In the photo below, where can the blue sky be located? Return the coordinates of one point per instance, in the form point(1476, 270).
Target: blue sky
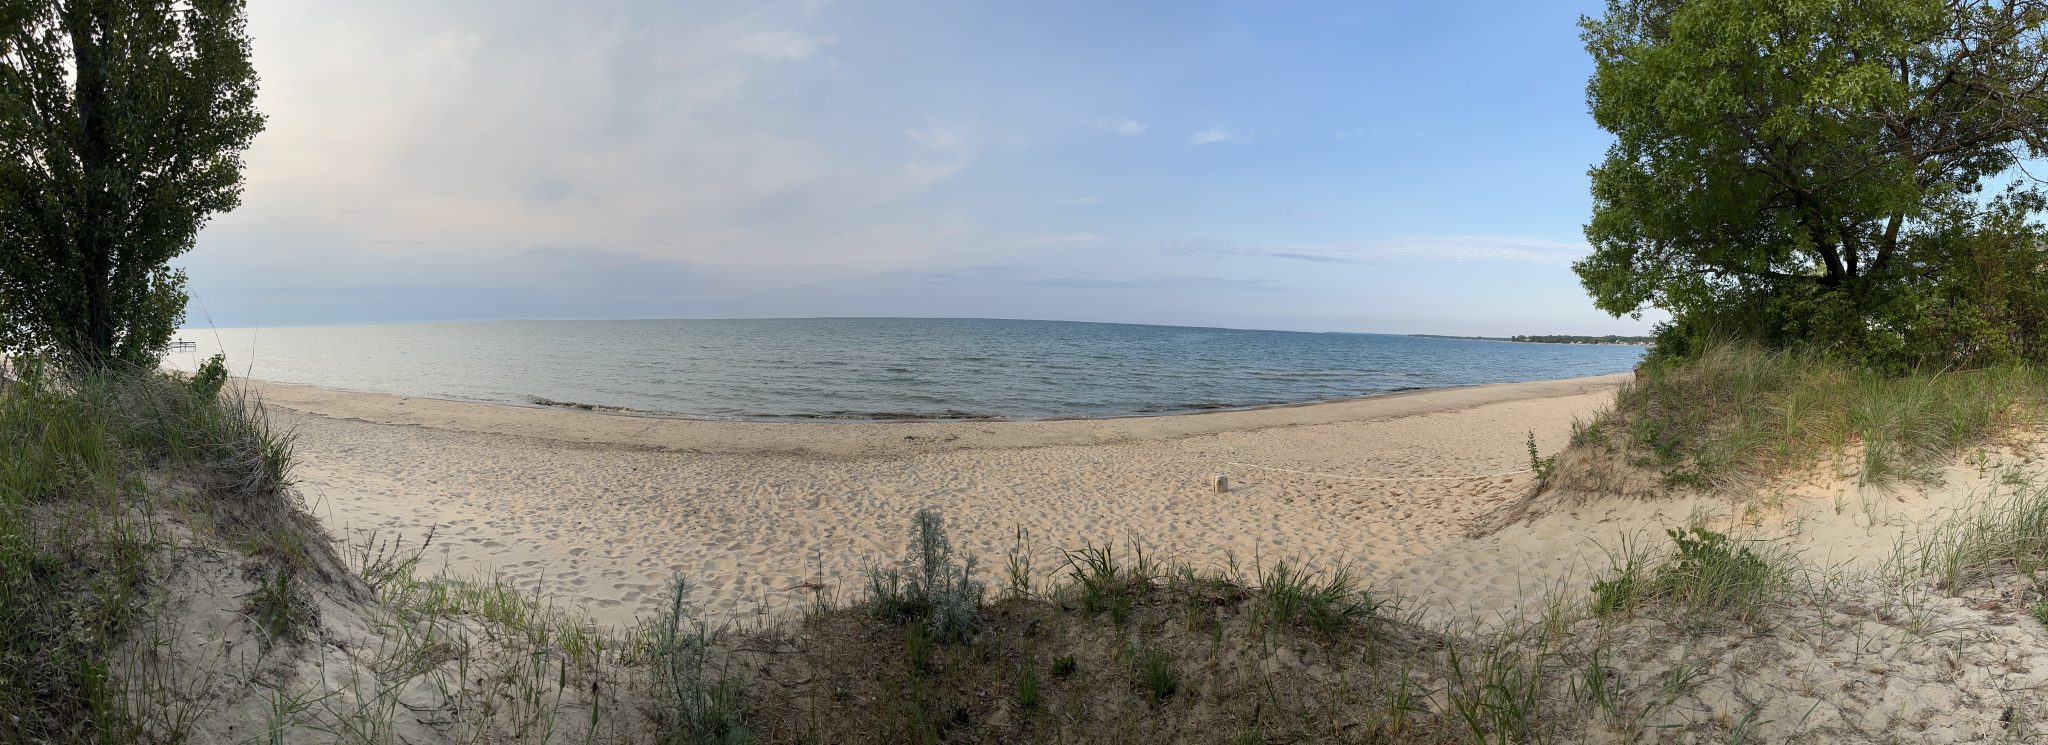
point(1396, 167)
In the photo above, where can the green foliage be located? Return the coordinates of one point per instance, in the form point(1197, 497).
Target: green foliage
point(1705, 571)
point(1541, 465)
point(1027, 686)
point(2000, 534)
point(211, 376)
point(1160, 673)
point(1064, 665)
point(73, 550)
point(1321, 601)
point(929, 586)
point(1737, 412)
point(275, 606)
point(1618, 591)
point(122, 124)
point(1811, 171)
point(1104, 580)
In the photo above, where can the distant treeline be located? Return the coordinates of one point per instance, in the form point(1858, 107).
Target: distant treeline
point(1551, 338)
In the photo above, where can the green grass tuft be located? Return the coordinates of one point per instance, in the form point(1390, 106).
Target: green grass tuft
point(1738, 413)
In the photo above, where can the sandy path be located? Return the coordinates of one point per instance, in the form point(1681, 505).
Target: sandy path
point(601, 509)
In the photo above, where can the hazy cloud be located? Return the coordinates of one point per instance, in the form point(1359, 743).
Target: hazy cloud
point(1126, 127)
point(1211, 136)
point(1051, 238)
point(1147, 283)
point(1448, 247)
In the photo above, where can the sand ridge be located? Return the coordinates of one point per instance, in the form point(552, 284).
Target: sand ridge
point(601, 510)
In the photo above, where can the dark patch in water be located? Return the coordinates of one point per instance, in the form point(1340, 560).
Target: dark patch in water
point(580, 406)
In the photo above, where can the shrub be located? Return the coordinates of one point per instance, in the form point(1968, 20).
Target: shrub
point(929, 585)
point(212, 374)
point(1541, 465)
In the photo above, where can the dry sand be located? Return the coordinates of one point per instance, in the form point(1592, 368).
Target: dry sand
point(600, 510)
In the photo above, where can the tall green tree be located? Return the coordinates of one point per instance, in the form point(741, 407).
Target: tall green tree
point(1796, 151)
point(122, 126)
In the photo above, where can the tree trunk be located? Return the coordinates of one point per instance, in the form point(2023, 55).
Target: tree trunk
point(94, 234)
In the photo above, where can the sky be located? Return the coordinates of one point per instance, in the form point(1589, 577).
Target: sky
point(1344, 166)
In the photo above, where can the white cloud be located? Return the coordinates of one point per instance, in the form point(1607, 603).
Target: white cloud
point(1043, 239)
point(1445, 247)
point(1211, 136)
point(947, 152)
point(934, 136)
point(1126, 127)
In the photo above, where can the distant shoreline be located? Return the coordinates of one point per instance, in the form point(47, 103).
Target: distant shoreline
point(1608, 341)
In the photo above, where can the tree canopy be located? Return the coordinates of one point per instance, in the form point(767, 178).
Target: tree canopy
point(122, 124)
point(1818, 171)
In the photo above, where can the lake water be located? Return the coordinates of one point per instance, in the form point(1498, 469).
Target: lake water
point(880, 368)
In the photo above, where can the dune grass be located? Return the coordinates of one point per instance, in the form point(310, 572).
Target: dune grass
point(1739, 413)
point(2005, 533)
point(76, 531)
point(1707, 575)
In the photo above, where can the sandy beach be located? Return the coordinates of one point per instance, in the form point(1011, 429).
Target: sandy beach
point(601, 510)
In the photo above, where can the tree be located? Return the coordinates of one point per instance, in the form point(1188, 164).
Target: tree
point(122, 124)
point(1784, 157)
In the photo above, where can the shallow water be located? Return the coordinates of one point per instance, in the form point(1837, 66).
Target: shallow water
point(879, 368)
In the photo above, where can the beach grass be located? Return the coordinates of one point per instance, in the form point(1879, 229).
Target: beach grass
point(78, 532)
point(1738, 414)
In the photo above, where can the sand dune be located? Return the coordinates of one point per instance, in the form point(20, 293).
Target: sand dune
point(600, 510)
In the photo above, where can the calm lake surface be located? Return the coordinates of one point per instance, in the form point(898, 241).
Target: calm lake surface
point(879, 368)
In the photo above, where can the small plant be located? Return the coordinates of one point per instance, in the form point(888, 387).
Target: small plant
point(929, 585)
point(2040, 612)
point(1101, 577)
point(1095, 571)
point(1618, 592)
point(917, 646)
point(695, 708)
point(1064, 665)
point(1027, 686)
point(275, 606)
point(1705, 571)
point(1019, 566)
point(1322, 602)
point(1161, 676)
point(1496, 690)
point(1541, 465)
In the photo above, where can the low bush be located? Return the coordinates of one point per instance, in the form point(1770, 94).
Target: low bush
point(928, 586)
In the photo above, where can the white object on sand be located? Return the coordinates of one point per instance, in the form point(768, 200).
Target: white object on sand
point(1220, 482)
